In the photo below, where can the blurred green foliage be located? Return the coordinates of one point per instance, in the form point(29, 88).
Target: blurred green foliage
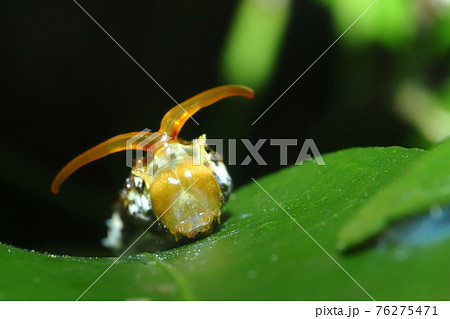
point(415, 34)
point(254, 42)
point(389, 23)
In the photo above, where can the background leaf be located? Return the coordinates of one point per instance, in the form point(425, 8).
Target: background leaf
point(426, 183)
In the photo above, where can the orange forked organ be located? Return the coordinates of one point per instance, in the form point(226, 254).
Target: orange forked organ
point(183, 195)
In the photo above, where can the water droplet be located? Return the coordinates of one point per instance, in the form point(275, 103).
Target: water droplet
point(340, 245)
point(252, 274)
point(436, 212)
point(401, 255)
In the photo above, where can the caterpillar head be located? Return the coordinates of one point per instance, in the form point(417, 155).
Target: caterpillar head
point(187, 192)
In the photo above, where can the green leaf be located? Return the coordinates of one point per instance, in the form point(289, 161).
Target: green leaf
point(425, 184)
point(259, 252)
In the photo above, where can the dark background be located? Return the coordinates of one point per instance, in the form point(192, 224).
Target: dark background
point(67, 86)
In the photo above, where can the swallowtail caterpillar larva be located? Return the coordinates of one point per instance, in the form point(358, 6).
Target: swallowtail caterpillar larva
point(169, 195)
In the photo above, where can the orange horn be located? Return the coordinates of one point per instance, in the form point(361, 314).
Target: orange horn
point(113, 145)
point(174, 120)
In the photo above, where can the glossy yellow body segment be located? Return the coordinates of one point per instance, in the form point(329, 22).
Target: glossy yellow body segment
point(186, 198)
